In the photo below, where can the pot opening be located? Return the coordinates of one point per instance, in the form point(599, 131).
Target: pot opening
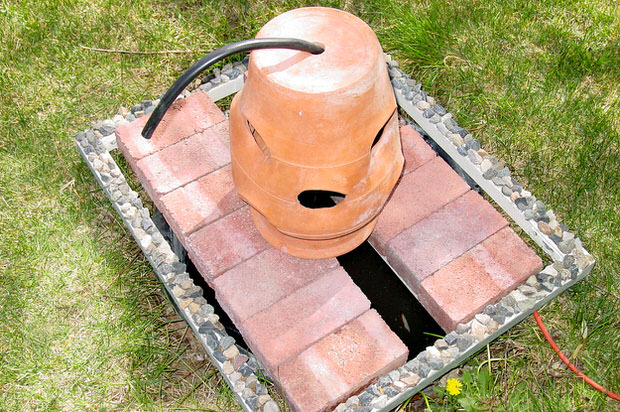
point(320, 199)
point(258, 139)
point(380, 132)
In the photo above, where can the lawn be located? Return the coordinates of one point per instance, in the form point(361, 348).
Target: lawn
point(84, 324)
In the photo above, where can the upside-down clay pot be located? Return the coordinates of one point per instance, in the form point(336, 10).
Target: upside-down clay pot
point(315, 144)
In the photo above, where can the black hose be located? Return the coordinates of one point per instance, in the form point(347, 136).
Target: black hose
point(215, 56)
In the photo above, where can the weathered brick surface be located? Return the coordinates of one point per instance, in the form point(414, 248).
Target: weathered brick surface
point(511, 253)
point(445, 234)
point(295, 322)
point(483, 275)
point(184, 118)
point(200, 202)
point(176, 165)
point(223, 132)
point(457, 291)
point(134, 147)
point(216, 140)
point(204, 112)
point(263, 280)
point(418, 194)
point(341, 364)
point(415, 149)
point(219, 246)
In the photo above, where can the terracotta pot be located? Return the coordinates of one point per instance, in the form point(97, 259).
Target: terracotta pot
point(314, 138)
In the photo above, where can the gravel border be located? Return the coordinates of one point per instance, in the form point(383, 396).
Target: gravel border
point(571, 261)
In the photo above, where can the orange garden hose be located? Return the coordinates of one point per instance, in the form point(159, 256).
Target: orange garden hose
point(572, 367)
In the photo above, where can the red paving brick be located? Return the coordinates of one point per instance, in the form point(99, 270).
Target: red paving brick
point(456, 291)
point(200, 202)
point(204, 112)
point(175, 165)
point(341, 364)
point(513, 255)
point(134, 147)
point(415, 149)
point(417, 195)
point(222, 131)
point(483, 275)
point(218, 149)
point(263, 280)
point(219, 246)
point(184, 118)
point(437, 239)
point(295, 322)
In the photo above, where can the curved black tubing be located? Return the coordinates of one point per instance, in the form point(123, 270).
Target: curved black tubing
point(214, 57)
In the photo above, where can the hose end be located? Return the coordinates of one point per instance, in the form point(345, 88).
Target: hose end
point(316, 48)
point(148, 130)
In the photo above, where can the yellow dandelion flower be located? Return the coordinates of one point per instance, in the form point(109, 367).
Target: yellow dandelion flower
point(453, 386)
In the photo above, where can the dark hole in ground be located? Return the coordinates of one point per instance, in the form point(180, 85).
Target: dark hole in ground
point(319, 199)
point(391, 298)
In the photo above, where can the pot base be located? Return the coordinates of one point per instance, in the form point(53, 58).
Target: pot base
point(307, 248)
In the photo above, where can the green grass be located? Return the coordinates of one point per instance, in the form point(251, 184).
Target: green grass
point(84, 324)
